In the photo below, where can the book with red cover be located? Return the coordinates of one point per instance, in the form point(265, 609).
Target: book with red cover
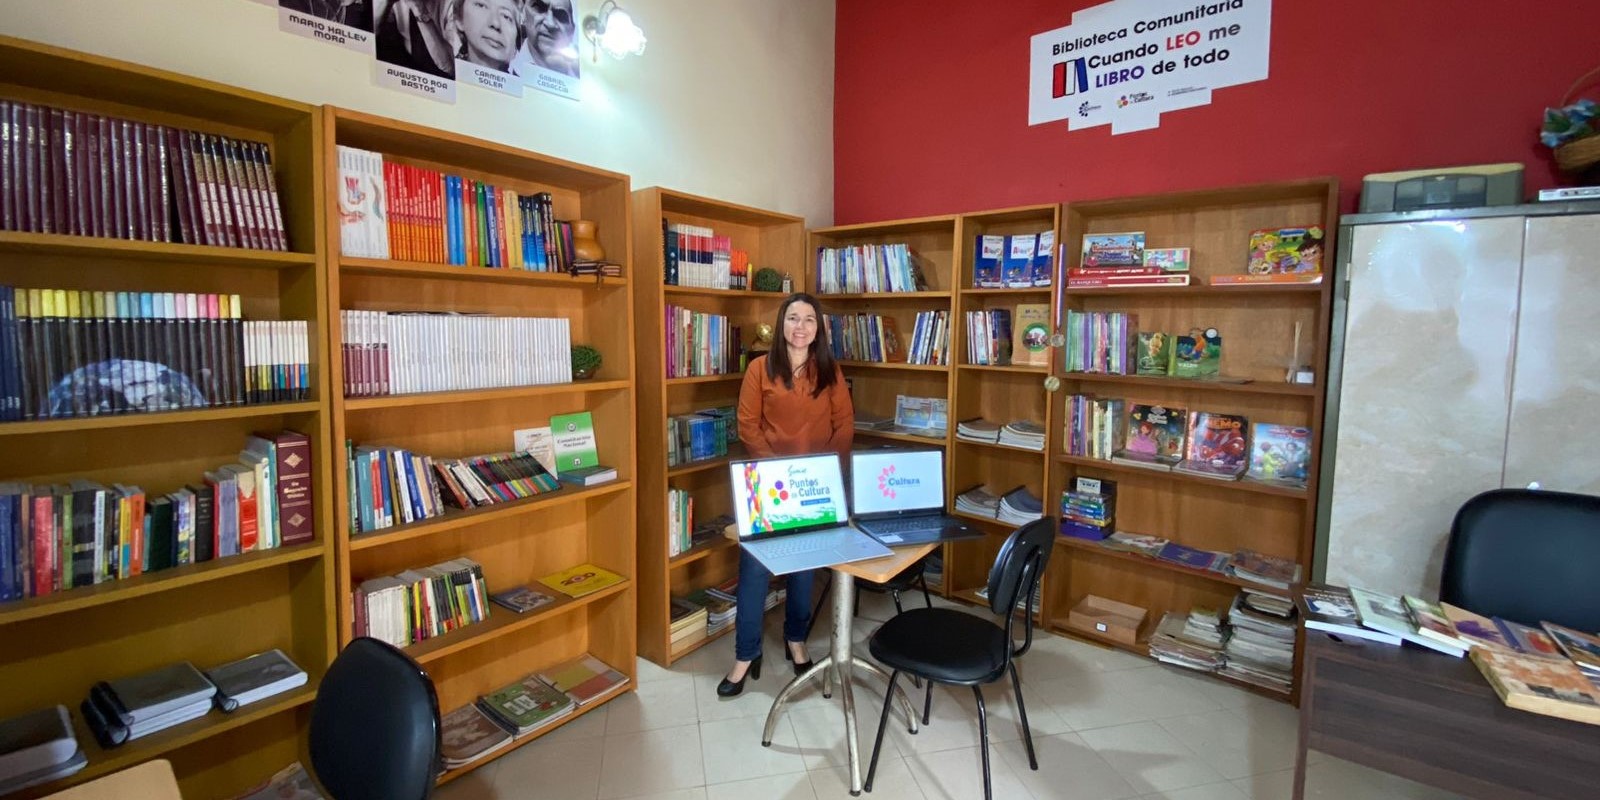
point(249, 529)
point(216, 193)
point(8, 168)
point(254, 221)
point(72, 149)
point(60, 215)
point(30, 171)
point(294, 486)
point(133, 160)
point(252, 190)
point(98, 128)
point(264, 163)
point(160, 176)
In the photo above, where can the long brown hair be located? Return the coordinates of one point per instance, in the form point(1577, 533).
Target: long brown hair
point(822, 363)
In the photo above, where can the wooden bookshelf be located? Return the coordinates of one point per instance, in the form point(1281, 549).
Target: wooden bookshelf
point(217, 611)
point(1257, 326)
point(520, 541)
point(772, 240)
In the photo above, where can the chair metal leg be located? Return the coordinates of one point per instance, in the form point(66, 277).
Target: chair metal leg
point(1022, 711)
point(983, 741)
point(883, 722)
point(896, 595)
point(926, 598)
point(927, 704)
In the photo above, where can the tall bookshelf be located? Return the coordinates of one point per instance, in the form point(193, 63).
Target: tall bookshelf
point(209, 613)
point(772, 240)
point(1257, 327)
point(1000, 394)
point(520, 541)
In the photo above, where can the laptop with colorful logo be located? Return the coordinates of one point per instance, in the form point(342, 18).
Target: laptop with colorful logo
point(792, 515)
point(898, 497)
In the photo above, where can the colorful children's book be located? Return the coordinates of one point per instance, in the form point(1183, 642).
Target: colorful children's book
point(1278, 251)
point(1018, 267)
point(1477, 630)
point(1153, 353)
point(1113, 250)
point(521, 599)
point(467, 734)
point(1333, 609)
point(1280, 454)
point(1167, 259)
point(1031, 335)
point(574, 441)
point(1529, 640)
point(1044, 259)
point(1433, 624)
point(1387, 613)
point(1155, 437)
point(526, 706)
point(1197, 354)
point(1583, 649)
point(1217, 447)
point(989, 252)
point(1541, 685)
point(581, 580)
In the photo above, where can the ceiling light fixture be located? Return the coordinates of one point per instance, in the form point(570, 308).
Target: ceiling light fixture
point(613, 30)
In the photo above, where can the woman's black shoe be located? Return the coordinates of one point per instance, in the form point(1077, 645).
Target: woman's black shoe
point(799, 668)
point(731, 688)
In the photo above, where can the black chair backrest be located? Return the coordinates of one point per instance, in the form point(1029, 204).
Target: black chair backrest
point(1016, 571)
point(375, 726)
point(1528, 556)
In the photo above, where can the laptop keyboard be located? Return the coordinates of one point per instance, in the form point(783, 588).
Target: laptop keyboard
point(800, 544)
point(904, 524)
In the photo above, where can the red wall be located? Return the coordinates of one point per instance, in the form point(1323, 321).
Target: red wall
point(931, 102)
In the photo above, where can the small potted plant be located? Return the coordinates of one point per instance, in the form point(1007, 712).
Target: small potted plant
point(1573, 132)
point(768, 280)
point(585, 362)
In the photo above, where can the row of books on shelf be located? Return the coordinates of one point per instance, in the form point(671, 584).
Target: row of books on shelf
point(992, 339)
point(1110, 343)
point(1200, 443)
point(694, 255)
point(403, 352)
point(530, 704)
point(41, 745)
point(876, 338)
point(1018, 506)
point(81, 533)
point(702, 435)
point(389, 209)
point(83, 174)
point(74, 353)
point(684, 532)
point(1275, 255)
point(982, 593)
point(420, 604)
point(1546, 668)
point(863, 268)
point(704, 613)
point(1026, 434)
point(1015, 261)
point(1252, 641)
point(700, 344)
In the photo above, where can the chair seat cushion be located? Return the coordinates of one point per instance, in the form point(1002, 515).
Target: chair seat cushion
point(946, 645)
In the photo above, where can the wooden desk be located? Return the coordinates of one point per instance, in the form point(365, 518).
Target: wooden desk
point(152, 780)
point(1435, 720)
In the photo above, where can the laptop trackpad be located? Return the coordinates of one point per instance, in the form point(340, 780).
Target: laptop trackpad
point(890, 538)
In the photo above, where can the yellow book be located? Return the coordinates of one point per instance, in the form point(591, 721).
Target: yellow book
point(581, 580)
point(1553, 687)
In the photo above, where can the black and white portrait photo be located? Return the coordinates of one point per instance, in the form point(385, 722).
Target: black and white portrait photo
point(355, 14)
point(549, 37)
point(413, 34)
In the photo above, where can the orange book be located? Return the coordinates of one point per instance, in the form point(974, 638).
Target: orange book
point(505, 226)
point(1279, 277)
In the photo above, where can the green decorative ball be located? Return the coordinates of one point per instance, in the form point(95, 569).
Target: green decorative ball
point(768, 280)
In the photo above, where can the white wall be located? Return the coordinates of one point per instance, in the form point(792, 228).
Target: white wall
point(733, 100)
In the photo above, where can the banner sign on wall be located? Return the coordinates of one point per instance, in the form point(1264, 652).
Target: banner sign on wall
point(1127, 62)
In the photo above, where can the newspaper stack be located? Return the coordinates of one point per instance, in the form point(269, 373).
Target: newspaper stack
point(1171, 645)
point(719, 614)
point(1261, 650)
point(1024, 434)
point(1020, 507)
point(1204, 627)
point(979, 502)
point(1263, 569)
point(978, 430)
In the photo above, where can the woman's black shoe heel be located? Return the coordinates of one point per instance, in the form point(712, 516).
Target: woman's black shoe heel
point(732, 688)
point(799, 668)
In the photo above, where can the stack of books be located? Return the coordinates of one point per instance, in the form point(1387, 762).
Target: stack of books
point(868, 268)
point(868, 421)
point(533, 703)
point(1099, 342)
point(979, 502)
point(933, 571)
point(1249, 565)
point(526, 706)
point(705, 434)
point(1023, 433)
point(1261, 649)
point(1175, 641)
point(989, 337)
point(256, 678)
point(699, 344)
point(720, 613)
point(400, 352)
point(128, 708)
point(865, 337)
point(420, 604)
point(690, 622)
point(1088, 508)
point(978, 430)
point(1020, 507)
point(38, 747)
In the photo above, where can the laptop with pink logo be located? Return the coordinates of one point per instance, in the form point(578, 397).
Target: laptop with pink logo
point(897, 496)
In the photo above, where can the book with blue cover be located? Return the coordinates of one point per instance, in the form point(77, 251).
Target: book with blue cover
point(1193, 557)
point(988, 253)
point(1017, 269)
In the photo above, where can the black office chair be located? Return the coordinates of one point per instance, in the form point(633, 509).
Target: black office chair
point(375, 726)
point(944, 645)
point(1526, 555)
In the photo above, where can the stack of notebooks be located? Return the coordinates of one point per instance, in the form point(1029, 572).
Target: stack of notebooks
point(128, 708)
point(1088, 508)
point(535, 702)
point(978, 430)
point(1261, 649)
point(1020, 507)
point(690, 622)
point(1024, 434)
point(1193, 642)
point(258, 677)
point(38, 747)
point(979, 502)
point(720, 613)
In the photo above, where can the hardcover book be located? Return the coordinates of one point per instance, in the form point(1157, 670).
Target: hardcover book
point(1277, 251)
point(1113, 250)
point(989, 253)
point(1583, 649)
point(1020, 251)
point(1546, 686)
point(1153, 353)
point(1217, 447)
point(1031, 335)
point(1197, 354)
point(581, 580)
point(1280, 454)
point(1333, 609)
point(1156, 434)
point(255, 678)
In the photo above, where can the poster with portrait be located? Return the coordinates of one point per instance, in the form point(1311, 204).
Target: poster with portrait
point(548, 58)
point(415, 49)
point(343, 23)
point(488, 38)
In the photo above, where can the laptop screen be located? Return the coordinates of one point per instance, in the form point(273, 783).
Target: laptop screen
point(896, 480)
point(784, 494)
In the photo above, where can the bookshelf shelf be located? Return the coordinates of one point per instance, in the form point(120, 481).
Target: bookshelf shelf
point(1241, 485)
point(1192, 384)
point(503, 621)
point(728, 378)
point(55, 244)
point(1025, 369)
point(1004, 448)
point(1199, 291)
point(1142, 648)
point(971, 596)
point(576, 714)
point(422, 269)
point(1157, 563)
point(166, 580)
point(483, 395)
point(113, 421)
point(206, 613)
point(903, 437)
point(894, 365)
point(921, 295)
point(993, 522)
point(771, 239)
point(462, 518)
point(1042, 291)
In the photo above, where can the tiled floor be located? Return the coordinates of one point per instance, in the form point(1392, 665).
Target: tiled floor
point(1106, 725)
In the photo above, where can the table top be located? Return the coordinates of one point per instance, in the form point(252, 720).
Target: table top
point(878, 570)
point(152, 780)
